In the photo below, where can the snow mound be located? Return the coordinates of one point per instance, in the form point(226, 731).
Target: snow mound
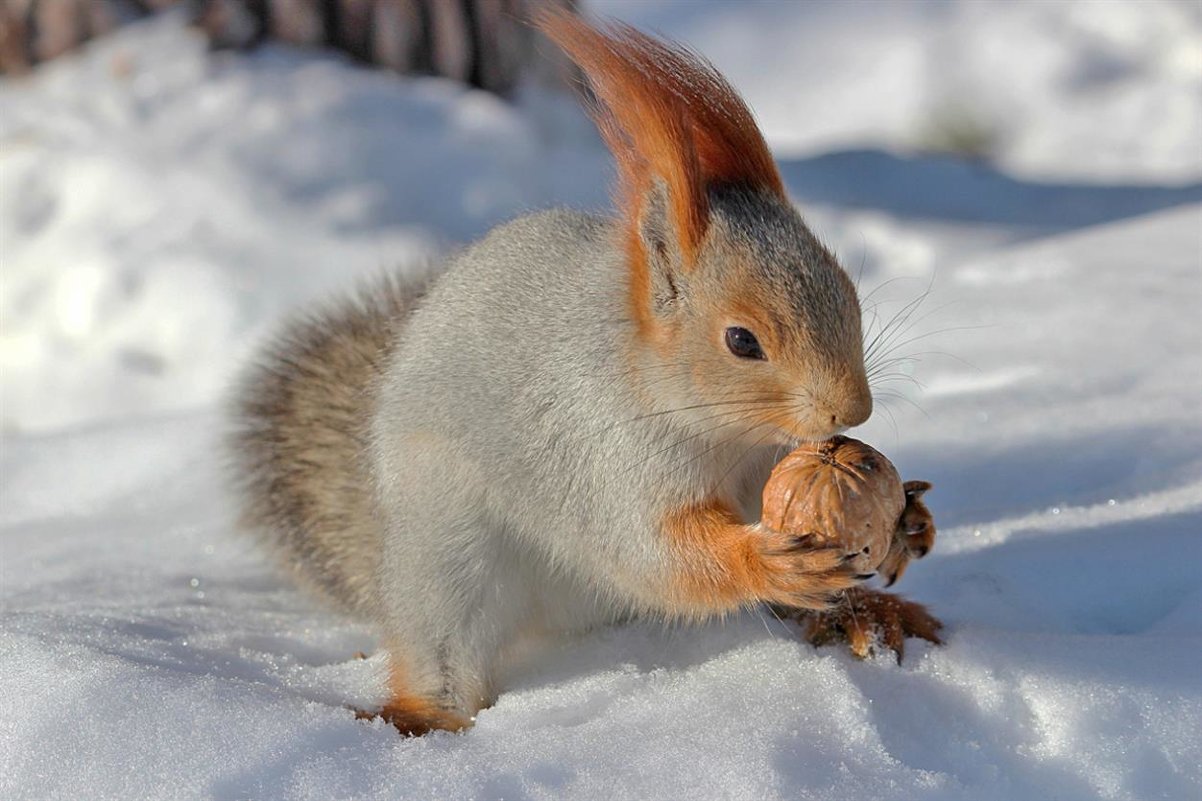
point(150, 192)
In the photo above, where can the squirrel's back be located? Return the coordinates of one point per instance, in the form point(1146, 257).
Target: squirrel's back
point(302, 414)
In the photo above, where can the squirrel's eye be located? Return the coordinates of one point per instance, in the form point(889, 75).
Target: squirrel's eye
point(743, 343)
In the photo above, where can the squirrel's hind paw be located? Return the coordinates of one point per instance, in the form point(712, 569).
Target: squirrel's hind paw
point(412, 722)
point(414, 716)
point(868, 620)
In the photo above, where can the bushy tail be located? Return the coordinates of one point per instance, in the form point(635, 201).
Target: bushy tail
point(302, 413)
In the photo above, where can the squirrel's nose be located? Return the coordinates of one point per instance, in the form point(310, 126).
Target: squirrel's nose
point(853, 409)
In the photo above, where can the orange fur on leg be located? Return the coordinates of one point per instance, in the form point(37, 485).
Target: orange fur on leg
point(725, 564)
point(413, 714)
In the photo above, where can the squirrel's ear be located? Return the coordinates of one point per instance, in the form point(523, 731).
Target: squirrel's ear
point(676, 129)
point(665, 259)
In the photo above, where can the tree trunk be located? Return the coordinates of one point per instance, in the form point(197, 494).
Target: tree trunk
point(484, 43)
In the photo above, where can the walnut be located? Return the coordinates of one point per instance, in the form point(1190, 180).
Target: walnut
point(839, 493)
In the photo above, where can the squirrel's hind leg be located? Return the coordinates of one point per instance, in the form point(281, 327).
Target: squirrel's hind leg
point(868, 621)
point(411, 711)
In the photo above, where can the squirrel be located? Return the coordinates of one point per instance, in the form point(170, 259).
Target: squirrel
point(569, 425)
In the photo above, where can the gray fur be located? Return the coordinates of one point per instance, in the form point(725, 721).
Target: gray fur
point(492, 458)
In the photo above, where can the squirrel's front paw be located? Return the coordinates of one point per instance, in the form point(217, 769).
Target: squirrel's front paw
point(803, 575)
point(914, 536)
point(868, 620)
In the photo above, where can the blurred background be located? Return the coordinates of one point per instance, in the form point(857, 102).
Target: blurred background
point(174, 176)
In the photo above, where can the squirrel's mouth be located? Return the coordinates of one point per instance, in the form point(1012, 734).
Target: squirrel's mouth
point(815, 437)
point(795, 430)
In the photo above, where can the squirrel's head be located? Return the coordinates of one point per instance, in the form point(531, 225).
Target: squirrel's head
point(752, 317)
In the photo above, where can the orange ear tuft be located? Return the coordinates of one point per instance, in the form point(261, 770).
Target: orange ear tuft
point(666, 113)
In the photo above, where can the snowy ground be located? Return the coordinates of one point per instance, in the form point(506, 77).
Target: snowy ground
point(160, 209)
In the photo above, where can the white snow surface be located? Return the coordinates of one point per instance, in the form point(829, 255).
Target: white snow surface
point(161, 208)
point(1081, 89)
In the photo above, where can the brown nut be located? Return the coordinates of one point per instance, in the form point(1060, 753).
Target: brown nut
point(840, 493)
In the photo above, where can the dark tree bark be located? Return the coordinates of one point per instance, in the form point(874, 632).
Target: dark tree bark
point(485, 43)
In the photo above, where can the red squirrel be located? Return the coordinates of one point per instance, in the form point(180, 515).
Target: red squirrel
point(569, 425)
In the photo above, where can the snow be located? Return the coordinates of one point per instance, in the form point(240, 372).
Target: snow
point(1093, 89)
point(143, 173)
point(161, 208)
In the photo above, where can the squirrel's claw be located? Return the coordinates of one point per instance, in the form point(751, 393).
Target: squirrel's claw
point(801, 575)
point(914, 536)
point(868, 620)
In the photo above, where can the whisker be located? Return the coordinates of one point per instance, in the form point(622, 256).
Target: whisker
point(887, 395)
point(719, 444)
point(695, 435)
point(693, 407)
point(903, 329)
point(863, 261)
point(891, 344)
point(922, 336)
point(895, 377)
point(884, 284)
point(905, 308)
point(896, 323)
point(892, 422)
point(739, 461)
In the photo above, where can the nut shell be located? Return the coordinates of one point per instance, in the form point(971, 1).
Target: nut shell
point(841, 493)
